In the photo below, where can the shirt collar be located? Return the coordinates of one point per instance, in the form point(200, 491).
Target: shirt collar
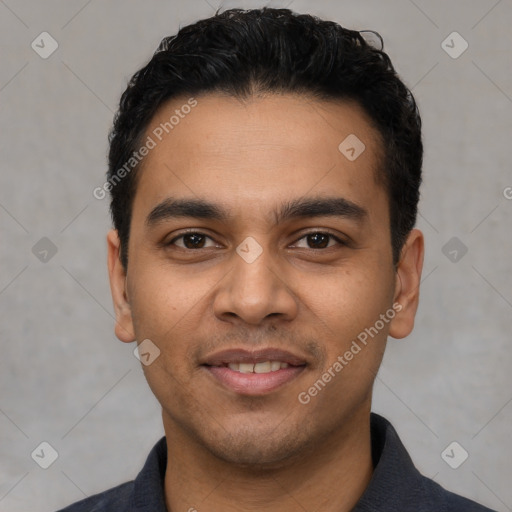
point(148, 490)
point(394, 473)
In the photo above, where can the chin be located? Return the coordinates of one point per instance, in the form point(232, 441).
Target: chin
point(250, 449)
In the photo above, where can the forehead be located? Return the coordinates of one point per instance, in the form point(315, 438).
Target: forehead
point(261, 150)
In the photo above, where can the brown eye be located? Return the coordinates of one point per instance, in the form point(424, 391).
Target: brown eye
point(190, 241)
point(319, 240)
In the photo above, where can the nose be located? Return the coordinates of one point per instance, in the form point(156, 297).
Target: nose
point(255, 292)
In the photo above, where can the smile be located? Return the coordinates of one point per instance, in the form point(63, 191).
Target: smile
point(254, 372)
point(264, 367)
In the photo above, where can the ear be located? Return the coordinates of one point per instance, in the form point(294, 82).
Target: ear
point(407, 285)
point(117, 275)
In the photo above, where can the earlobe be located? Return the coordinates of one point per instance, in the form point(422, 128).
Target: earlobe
point(407, 285)
point(118, 282)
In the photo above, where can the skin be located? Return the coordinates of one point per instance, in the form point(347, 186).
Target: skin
point(228, 451)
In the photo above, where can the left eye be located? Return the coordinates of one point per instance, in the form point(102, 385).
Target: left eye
point(319, 240)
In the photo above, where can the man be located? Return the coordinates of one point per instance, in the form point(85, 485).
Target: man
point(264, 169)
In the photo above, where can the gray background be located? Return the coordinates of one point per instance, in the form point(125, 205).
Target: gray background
point(64, 377)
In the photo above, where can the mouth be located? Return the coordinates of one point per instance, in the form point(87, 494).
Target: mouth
point(263, 367)
point(254, 373)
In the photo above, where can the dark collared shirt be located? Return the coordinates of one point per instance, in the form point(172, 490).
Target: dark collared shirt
point(396, 485)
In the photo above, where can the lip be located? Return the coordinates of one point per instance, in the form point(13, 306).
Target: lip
point(253, 384)
point(238, 355)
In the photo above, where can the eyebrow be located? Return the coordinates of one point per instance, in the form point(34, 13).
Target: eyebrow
point(172, 208)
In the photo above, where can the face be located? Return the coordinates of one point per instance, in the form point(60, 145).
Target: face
point(258, 246)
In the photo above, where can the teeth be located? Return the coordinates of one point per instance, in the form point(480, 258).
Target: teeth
point(275, 365)
point(264, 367)
point(246, 368)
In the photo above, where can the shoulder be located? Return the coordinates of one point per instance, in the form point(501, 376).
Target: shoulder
point(447, 501)
point(396, 483)
point(147, 489)
point(116, 499)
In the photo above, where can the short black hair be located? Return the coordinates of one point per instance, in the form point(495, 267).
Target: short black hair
point(243, 52)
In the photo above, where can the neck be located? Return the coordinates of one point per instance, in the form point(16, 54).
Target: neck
point(330, 477)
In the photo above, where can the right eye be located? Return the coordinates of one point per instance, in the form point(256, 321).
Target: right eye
point(190, 240)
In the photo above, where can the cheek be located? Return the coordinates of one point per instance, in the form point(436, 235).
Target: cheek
point(349, 301)
point(168, 308)
point(163, 298)
point(347, 312)
point(163, 308)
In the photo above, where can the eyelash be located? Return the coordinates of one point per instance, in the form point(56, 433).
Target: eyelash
point(331, 235)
